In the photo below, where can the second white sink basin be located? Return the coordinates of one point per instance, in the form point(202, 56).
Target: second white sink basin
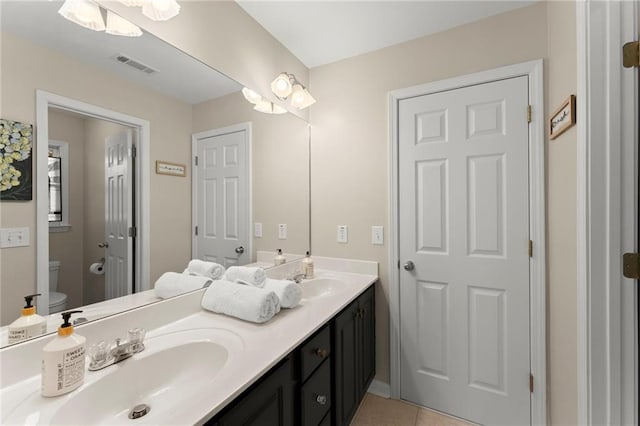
point(321, 287)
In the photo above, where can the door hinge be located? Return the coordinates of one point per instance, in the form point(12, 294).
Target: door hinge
point(631, 265)
point(134, 151)
point(528, 113)
point(133, 232)
point(530, 382)
point(398, 263)
point(530, 248)
point(631, 54)
point(196, 230)
point(195, 160)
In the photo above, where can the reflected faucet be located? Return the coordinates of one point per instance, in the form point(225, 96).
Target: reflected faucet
point(297, 278)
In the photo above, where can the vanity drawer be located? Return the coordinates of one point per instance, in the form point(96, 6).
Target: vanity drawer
point(315, 351)
point(316, 396)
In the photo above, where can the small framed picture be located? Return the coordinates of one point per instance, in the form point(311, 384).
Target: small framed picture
point(172, 169)
point(563, 118)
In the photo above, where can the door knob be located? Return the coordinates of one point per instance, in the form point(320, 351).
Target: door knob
point(103, 245)
point(409, 266)
point(240, 250)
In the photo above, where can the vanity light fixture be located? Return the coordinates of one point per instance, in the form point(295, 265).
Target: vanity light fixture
point(269, 107)
point(84, 13)
point(160, 10)
point(287, 87)
point(116, 25)
point(251, 96)
point(132, 3)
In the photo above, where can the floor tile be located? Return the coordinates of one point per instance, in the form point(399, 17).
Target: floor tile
point(378, 411)
point(432, 418)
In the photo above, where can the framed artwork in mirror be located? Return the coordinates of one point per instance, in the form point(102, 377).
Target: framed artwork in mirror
point(16, 176)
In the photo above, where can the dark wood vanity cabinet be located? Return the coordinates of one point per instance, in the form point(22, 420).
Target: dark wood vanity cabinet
point(321, 382)
point(354, 356)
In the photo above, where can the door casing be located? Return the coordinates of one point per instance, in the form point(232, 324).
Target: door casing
point(534, 71)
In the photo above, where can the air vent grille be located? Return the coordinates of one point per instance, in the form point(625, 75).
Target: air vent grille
point(124, 59)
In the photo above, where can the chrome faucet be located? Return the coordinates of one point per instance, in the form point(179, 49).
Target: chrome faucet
point(102, 356)
point(297, 278)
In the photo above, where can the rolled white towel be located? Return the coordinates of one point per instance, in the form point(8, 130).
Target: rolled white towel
point(252, 276)
point(287, 291)
point(172, 284)
point(241, 301)
point(208, 269)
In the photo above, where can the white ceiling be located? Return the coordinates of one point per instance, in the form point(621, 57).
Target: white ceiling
point(321, 32)
point(179, 75)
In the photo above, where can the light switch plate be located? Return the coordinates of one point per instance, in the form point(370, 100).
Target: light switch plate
point(257, 230)
point(377, 235)
point(282, 231)
point(343, 234)
point(14, 237)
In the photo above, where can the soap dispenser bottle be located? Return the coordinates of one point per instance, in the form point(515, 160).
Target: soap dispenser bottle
point(63, 360)
point(279, 259)
point(29, 324)
point(307, 266)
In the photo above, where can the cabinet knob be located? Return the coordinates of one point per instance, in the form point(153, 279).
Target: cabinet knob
point(321, 399)
point(322, 353)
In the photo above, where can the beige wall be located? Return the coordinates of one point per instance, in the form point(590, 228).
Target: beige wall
point(67, 247)
point(280, 169)
point(170, 120)
point(350, 157)
point(223, 36)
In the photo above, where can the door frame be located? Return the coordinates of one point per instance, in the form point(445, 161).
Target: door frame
point(537, 224)
point(44, 100)
point(607, 210)
point(195, 138)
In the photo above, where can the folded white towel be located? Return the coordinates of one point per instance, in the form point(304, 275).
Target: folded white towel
point(252, 276)
point(241, 301)
point(172, 284)
point(287, 291)
point(208, 269)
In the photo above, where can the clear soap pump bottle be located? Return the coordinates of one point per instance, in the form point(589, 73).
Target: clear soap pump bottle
point(63, 360)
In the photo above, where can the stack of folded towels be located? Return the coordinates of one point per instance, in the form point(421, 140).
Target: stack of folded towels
point(248, 294)
point(240, 291)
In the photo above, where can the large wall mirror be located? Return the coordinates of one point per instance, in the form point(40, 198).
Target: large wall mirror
point(100, 97)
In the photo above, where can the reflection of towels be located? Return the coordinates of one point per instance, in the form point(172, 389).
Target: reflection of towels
point(172, 284)
point(287, 291)
point(241, 301)
point(252, 276)
point(206, 269)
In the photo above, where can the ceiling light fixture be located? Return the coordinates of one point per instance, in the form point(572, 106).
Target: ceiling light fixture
point(160, 10)
point(116, 25)
point(84, 13)
point(287, 87)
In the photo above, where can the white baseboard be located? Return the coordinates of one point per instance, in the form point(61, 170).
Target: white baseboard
point(380, 388)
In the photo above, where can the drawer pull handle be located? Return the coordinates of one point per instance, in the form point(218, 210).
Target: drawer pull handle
point(322, 353)
point(321, 399)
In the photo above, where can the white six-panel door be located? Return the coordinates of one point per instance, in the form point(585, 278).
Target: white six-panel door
point(464, 223)
point(118, 214)
point(221, 196)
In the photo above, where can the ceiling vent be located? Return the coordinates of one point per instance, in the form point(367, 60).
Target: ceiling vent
point(124, 59)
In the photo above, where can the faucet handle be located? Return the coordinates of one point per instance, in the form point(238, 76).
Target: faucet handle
point(99, 354)
point(136, 339)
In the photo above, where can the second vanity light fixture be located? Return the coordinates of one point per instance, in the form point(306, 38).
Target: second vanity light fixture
point(88, 15)
point(287, 87)
point(261, 104)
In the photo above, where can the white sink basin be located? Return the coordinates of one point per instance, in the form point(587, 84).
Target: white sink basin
point(172, 370)
point(321, 287)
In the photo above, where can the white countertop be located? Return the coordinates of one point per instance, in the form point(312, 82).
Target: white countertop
point(258, 348)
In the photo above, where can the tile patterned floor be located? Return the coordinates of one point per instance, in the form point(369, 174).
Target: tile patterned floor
point(378, 411)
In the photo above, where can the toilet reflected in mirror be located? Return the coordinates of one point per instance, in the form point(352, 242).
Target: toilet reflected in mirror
point(57, 300)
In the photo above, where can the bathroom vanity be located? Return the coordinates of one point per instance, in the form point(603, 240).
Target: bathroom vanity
point(308, 365)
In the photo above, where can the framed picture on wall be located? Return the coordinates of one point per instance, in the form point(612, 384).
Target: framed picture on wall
point(16, 175)
point(563, 118)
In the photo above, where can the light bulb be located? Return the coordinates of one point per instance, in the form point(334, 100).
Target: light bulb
point(281, 86)
point(300, 97)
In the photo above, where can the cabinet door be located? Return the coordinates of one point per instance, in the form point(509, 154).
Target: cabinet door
point(366, 339)
point(347, 394)
point(271, 402)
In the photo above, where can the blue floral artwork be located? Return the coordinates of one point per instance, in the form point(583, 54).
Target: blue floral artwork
point(16, 177)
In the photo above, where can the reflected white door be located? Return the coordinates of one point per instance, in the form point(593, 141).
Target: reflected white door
point(118, 214)
point(221, 196)
point(464, 223)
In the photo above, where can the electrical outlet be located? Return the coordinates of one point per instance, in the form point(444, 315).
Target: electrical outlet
point(377, 235)
point(257, 230)
point(343, 234)
point(14, 237)
point(282, 231)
